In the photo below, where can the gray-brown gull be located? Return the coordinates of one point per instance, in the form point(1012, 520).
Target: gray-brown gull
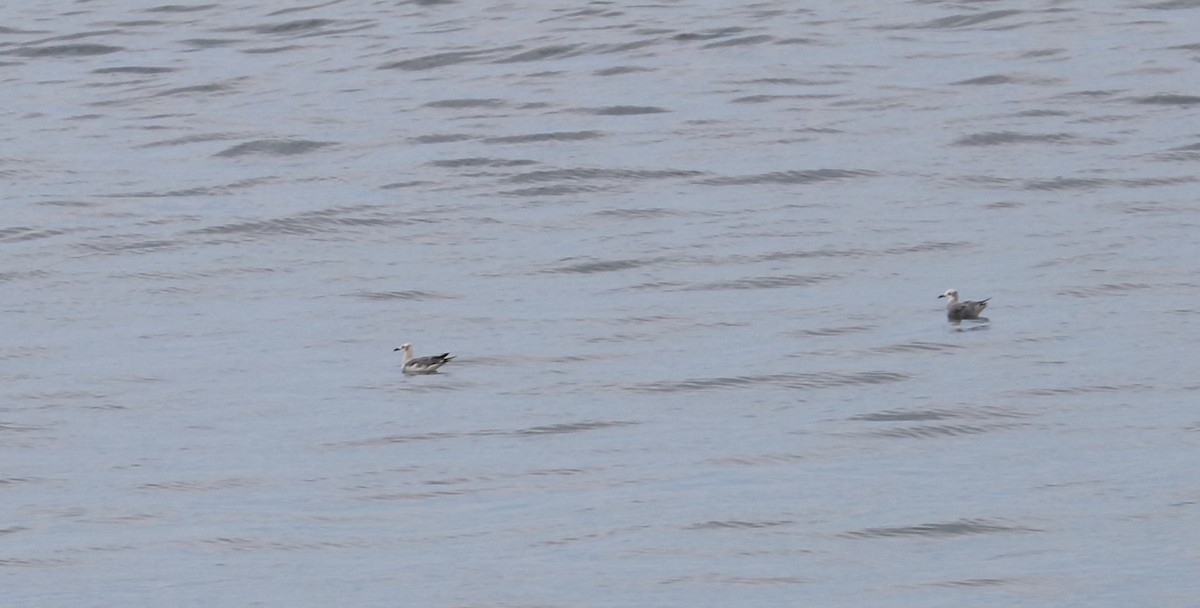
point(421, 365)
point(969, 309)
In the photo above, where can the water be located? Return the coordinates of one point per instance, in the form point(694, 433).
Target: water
point(688, 255)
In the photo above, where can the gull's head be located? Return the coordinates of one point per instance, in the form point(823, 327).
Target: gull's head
point(950, 293)
point(404, 346)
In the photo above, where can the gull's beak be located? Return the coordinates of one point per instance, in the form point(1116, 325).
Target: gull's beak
point(396, 349)
point(941, 296)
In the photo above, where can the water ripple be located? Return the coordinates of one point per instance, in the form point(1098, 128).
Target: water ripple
point(127, 244)
point(442, 138)
point(1071, 183)
point(65, 50)
point(941, 414)
point(744, 40)
point(990, 79)
point(917, 346)
point(466, 103)
point(199, 88)
point(599, 266)
point(187, 139)
point(944, 430)
point(134, 69)
point(12, 481)
point(625, 110)
point(551, 429)
point(200, 486)
point(726, 580)
point(975, 582)
point(1169, 100)
point(337, 219)
point(19, 562)
point(814, 176)
point(249, 544)
point(966, 20)
point(962, 527)
point(709, 34)
point(218, 190)
point(543, 53)
point(1104, 290)
point(570, 427)
point(1082, 390)
point(180, 8)
point(23, 233)
point(755, 459)
point(795, 381)
point(555, 175)
point(765, 282)
point(1075, 183)
point(292, 27)
point(834, 331)
point(530, 138)
point(910, 415)
point(439, 60)
point(997, 138)
point(561, 190)
point(481, 162)
point(412, 295)
point(273, 147)
point(738, 524)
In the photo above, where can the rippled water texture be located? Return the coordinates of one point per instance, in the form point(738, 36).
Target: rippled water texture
point(688, 257)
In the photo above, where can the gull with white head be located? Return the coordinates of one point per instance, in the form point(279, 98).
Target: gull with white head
point(968, 309)
point(421, 365)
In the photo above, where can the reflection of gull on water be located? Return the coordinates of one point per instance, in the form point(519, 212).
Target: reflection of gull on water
point(956, 310)
point(421, 365)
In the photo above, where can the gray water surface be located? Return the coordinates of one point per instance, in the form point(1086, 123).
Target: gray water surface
point(688, 256)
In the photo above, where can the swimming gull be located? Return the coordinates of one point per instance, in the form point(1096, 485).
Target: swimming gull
point(957, 311)
point(421, 365)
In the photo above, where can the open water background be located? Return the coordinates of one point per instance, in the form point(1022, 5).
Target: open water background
point(688, 254)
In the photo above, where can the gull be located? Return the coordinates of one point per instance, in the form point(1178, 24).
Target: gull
point(421, 365)
point(956, 310)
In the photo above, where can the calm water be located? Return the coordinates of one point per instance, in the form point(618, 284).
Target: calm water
point(688, 256)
